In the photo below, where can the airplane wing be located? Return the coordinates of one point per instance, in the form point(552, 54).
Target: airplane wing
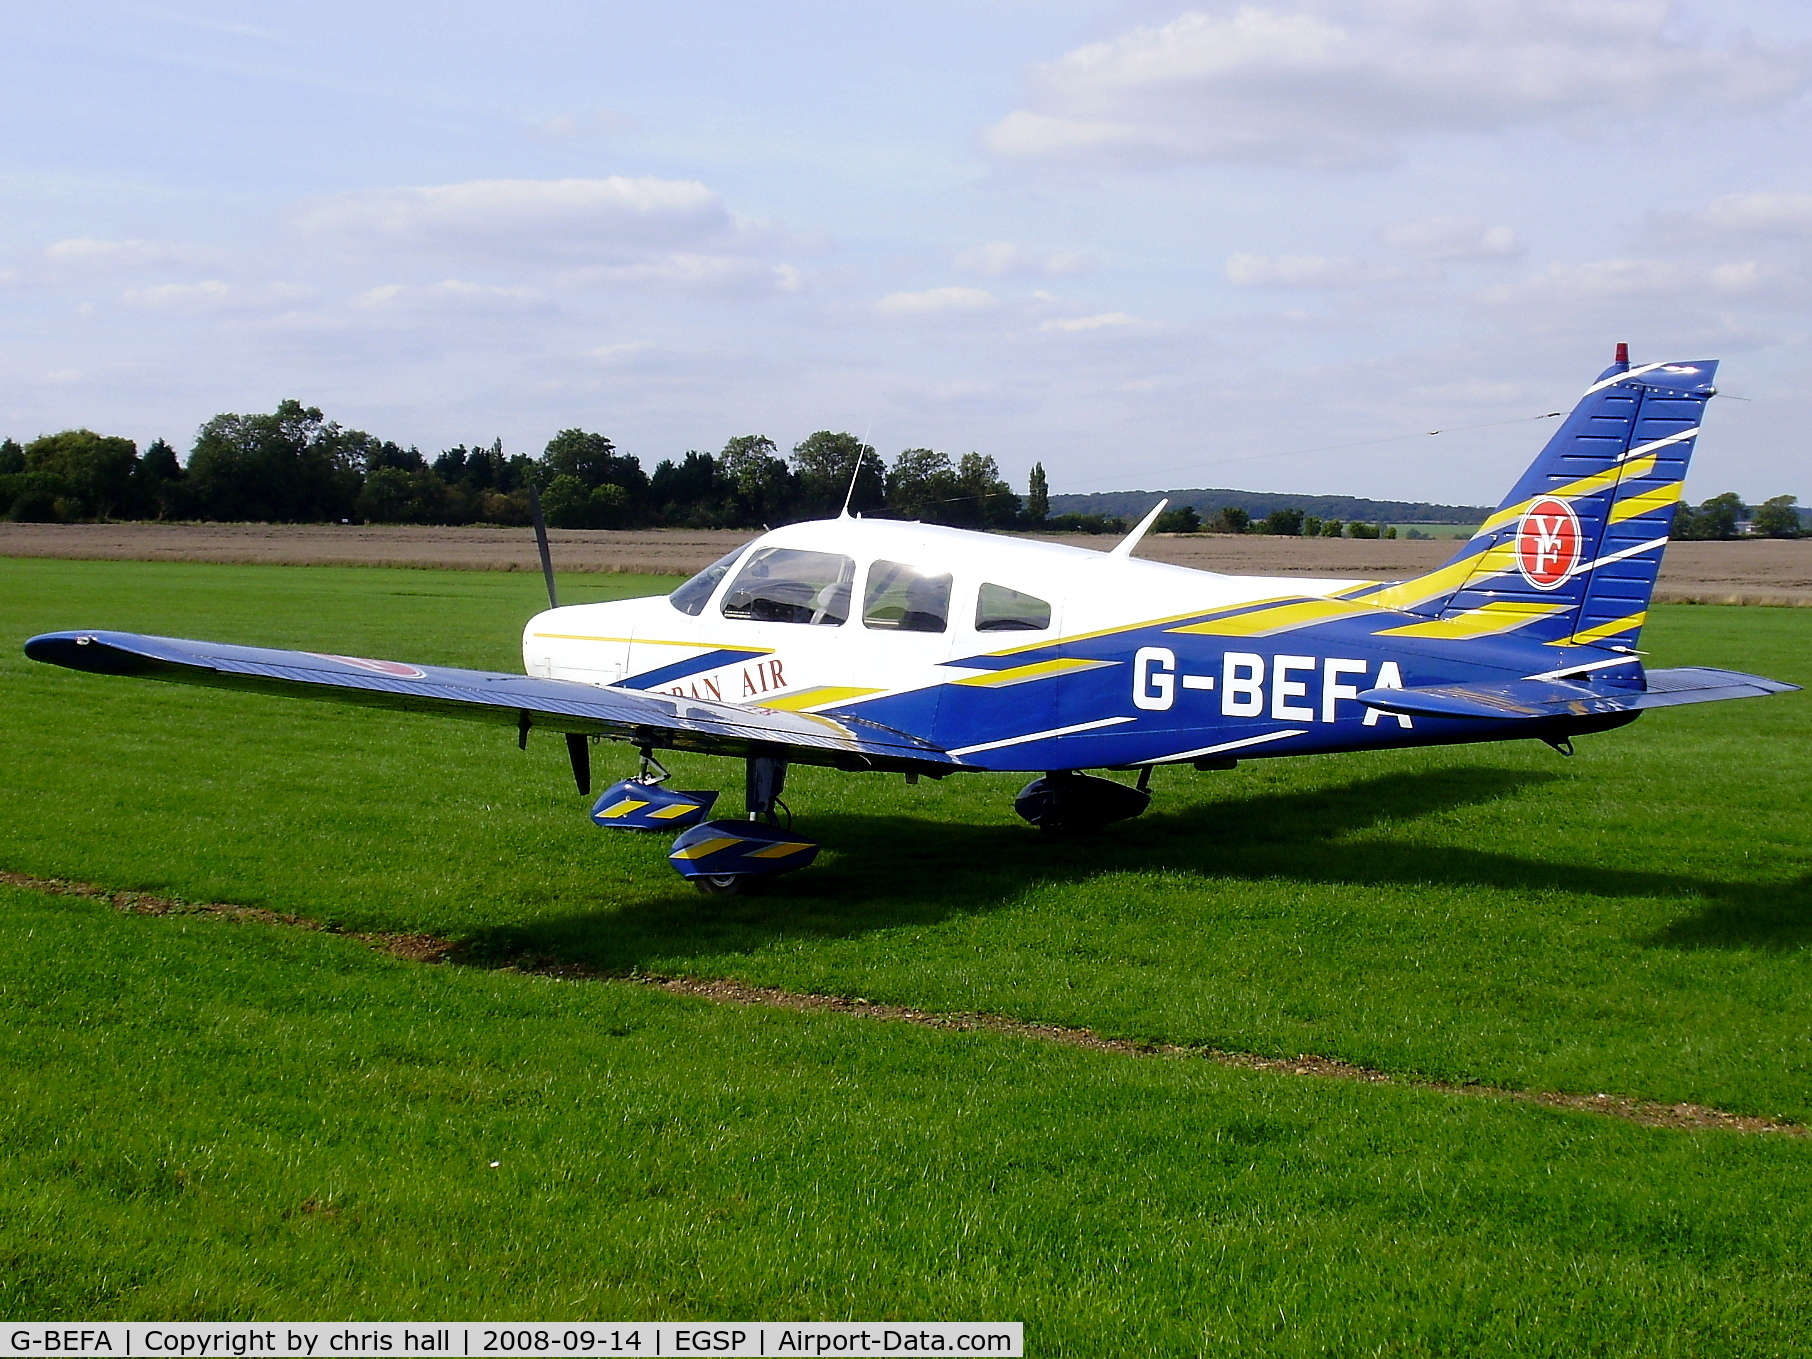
point(658, 720)
point(1528, 698)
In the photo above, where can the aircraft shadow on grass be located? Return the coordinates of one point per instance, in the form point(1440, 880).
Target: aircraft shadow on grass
point(891, 871)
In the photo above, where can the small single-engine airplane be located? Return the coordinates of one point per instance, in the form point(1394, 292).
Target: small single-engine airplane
point(881, 646)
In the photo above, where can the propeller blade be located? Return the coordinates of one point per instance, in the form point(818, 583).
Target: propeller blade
point(547, 558)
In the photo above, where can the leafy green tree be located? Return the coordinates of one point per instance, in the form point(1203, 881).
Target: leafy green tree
point(1357, 529)
point(1332, 528)
point(291, 466)
point(694, 493)
point(35, 498)
point(981, 485)
point(922, 485)
point(158, 489)
point(1286, 523)
point(405, 495)
point(1038, 496)
point(759, 479)
point(1717, 517)
point(12, 458)
point(822, 466)
point(1181, 520)
point(375, 453)
point(1230, 519)
point(1777, 518)
point(593, 460)
point(1085, 523)
point(1311, 527)
point(570, 504)
point(94, 470)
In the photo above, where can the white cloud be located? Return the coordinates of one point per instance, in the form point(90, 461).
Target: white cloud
point(1106, 320)
point(1001, 258)
point(1331, 84)
point(515, 217)
point(180, 294)
point(696, 272)
point(452, 295)
point(572, 127)
point(1305, 271)
point(936, 300)
point(84, 249)
point(1452, 239)
point(87, 254)
point(1573, 285)
point(1749, 214)
point(216, 295)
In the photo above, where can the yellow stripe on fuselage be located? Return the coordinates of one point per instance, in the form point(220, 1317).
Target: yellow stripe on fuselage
point(1280, 618)
point(1025, 674)
point(1500, 616)
point(1445, 580)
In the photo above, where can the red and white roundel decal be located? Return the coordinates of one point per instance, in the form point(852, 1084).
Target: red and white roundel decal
point(394, 668)
point(1548, 542)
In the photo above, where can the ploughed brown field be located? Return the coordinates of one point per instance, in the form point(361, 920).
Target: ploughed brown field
point(1759, 572)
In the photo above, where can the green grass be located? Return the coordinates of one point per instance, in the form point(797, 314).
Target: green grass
point(208, 1119)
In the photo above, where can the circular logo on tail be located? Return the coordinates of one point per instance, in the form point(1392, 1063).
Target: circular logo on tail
point(1548, 543)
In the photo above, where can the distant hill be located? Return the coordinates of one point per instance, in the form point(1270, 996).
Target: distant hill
point(1130, 505)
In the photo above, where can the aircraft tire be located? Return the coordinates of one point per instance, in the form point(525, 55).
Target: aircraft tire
point(722, 884)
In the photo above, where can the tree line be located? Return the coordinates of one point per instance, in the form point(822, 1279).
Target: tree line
point(296, 466)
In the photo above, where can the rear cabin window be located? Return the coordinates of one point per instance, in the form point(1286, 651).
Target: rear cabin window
point(998, 609)
point(786, 585)
point(902, 598)
point(696, 593)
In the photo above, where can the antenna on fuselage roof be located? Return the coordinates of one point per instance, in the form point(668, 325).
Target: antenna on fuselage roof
point(1124, 547)
point(856, 471)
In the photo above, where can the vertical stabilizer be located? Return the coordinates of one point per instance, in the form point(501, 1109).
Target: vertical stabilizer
point(1573, 551)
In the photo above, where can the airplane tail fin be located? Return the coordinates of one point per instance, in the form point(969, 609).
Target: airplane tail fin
point(1572, 553)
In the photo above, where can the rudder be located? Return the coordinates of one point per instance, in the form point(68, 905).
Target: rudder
point(1572, 553)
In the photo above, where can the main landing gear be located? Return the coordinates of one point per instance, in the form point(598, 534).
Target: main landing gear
point(1067, 801)
point(720, 858)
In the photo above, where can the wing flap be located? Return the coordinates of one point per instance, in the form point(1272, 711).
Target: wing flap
point(1520, 700)
point(660, 720)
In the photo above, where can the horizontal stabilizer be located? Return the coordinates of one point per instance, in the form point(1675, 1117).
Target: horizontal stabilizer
point(1522, 699)
point(658, 720)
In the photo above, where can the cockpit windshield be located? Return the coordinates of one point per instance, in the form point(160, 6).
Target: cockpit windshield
point(696, 593)
point(789, 585)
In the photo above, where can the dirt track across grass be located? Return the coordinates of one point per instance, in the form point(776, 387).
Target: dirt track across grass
point(1760, 572)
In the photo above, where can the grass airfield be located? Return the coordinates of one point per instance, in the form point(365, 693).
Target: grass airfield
point(210, 1119)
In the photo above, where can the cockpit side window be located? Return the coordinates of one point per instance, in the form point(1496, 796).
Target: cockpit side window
point(788, 585)
point(696, 593)
point(998, 609)
point(902, 598)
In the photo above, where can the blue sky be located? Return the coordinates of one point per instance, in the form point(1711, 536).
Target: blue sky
point(1145, 244)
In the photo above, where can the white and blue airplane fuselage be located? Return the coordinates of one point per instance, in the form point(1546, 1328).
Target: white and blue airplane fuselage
point(874, 645)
